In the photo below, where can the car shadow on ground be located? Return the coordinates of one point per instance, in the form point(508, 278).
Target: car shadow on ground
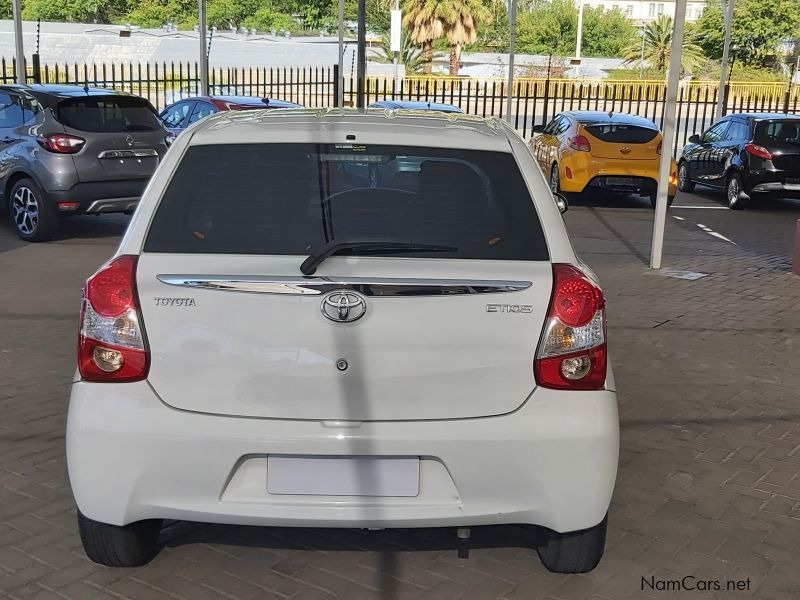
point(758, 203)
point(604, 200)
point(91, 227)
point(388, 543)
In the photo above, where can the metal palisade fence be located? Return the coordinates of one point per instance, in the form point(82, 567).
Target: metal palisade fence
point(534, 100)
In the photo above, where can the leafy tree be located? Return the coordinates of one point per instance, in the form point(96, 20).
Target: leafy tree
point(267, 19)
point(154, 13)
point(409, 55)
point(422, 21)
point(550, 26)
point(87, 11)
point(459, 23)
point(606, 33)
point(759, 26)
point(657, 46)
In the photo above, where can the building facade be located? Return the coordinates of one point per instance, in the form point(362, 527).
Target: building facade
point(647, 10)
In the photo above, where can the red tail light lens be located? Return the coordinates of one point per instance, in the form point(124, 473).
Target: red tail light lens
point(579, 142)
point(759, 151)
point(572, 353)
point(111, 346)
point(61, 143)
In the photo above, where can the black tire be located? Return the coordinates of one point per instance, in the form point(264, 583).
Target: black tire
point(113, 546)
point(33, 216)
point(576, 551)
point(737, 199)
point(555, 180)
point(653, 200)
point(684, 183)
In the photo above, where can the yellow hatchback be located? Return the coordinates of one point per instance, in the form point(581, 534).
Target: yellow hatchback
point(583, 151)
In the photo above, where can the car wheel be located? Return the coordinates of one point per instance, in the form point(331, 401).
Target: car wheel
point(737, 199)
point(119, 546)
point(653, 200)
point(684, 183)
point(576, 551)
point(34, 217)
point(555, 182)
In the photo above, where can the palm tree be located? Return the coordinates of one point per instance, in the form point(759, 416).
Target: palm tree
point(459, 20)
point(657, 45)
point(409, 53)
point(424, 25)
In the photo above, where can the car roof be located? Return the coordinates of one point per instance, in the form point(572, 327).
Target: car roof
point(353, 126)
point(66, 91)
point(763, 116)
point(415, 105)
point(586, 117)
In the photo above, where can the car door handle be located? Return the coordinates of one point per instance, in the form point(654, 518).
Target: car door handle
point(8, 140)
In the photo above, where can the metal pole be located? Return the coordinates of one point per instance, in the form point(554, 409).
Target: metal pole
point(580, 30)
point(727, 17)
point(20, 52)
point(340, 74)
point(361, 69)
point(512, 38)
point(641, 62)
point(670, 106)
point(201, 33)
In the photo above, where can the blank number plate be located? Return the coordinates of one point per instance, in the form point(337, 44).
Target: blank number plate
point(343, 476)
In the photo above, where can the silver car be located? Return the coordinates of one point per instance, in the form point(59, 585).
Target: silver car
point(68, 150)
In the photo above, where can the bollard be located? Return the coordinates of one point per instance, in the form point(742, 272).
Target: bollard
point(796, 255)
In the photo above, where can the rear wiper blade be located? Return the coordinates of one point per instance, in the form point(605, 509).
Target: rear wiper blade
point(316, 258)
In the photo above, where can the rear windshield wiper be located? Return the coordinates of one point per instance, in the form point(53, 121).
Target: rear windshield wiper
point(363, 247)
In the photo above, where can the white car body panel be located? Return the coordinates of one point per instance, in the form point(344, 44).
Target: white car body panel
point(237, 378)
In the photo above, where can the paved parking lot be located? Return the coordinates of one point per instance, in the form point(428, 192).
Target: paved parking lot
point(709, 480)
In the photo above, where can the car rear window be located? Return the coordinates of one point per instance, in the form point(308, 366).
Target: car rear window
point(108, 114)
point(288, 199)
point(621, 133)
point(784, 131)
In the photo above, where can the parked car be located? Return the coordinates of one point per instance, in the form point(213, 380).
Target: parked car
point(594, 152)
point(183, 113)
point(285, 337)
point(70, 150)
point(746, 155)
point(415, 105)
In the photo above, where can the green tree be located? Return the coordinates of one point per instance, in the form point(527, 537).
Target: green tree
point(223, 13)
point(409, 55)
point(424, 26)
point(606, 33)
point(459, 21)
point(549, 26)
point(759, 26)
point(87, 11)
point(657, 46)
point(154, 13)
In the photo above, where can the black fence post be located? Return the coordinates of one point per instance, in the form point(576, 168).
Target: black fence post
point(725, 94)
point(37, 74)
point(336, 86)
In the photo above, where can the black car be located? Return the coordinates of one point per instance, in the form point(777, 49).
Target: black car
point(746, 155)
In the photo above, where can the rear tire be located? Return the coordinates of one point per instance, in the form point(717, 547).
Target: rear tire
point(33, 216)
point(684, 183)
point(576, 551)
point(653, 200)
point(555, 180)
point(737, 199)
point(119, 546)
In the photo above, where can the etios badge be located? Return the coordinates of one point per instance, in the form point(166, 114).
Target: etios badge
point(343, 306)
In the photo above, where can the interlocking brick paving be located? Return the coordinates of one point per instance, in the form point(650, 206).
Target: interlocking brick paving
point(709, 481)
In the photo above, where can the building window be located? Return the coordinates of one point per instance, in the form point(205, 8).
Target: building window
point(629, 10)
point(660, 9)
point(651, 10)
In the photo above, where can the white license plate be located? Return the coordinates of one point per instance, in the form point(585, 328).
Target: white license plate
point(343, 476)
point(631, 181)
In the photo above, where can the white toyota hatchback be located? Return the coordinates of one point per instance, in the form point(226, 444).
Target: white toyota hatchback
point(343, 319)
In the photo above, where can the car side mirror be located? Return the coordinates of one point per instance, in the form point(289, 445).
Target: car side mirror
point(694, 139)
point(561, 202)
point(537, 129)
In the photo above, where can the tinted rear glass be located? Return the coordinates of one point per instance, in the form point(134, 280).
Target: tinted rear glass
point(786, 131)
point(108, 114)
point(289, 199)
point(621, 134)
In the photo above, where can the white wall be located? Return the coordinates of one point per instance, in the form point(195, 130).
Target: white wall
point(647, 10)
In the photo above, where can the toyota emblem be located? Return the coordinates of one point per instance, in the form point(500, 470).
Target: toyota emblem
point(343, 306)
point(129, 140)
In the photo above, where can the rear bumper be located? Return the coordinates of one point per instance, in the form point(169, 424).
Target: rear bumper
point(587, 170)
point(553, 462)
point(773, 182)
point(99, 196)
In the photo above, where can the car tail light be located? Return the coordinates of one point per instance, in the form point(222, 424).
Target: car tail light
point(572, 353)
point(111, 346)
point(759, 151)
point(579, 142)
point(61, 143)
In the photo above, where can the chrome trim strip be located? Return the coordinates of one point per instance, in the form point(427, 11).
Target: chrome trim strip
point(302, 286)
point(127, 153)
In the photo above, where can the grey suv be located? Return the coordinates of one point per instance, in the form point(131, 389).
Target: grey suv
point(72, 150)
